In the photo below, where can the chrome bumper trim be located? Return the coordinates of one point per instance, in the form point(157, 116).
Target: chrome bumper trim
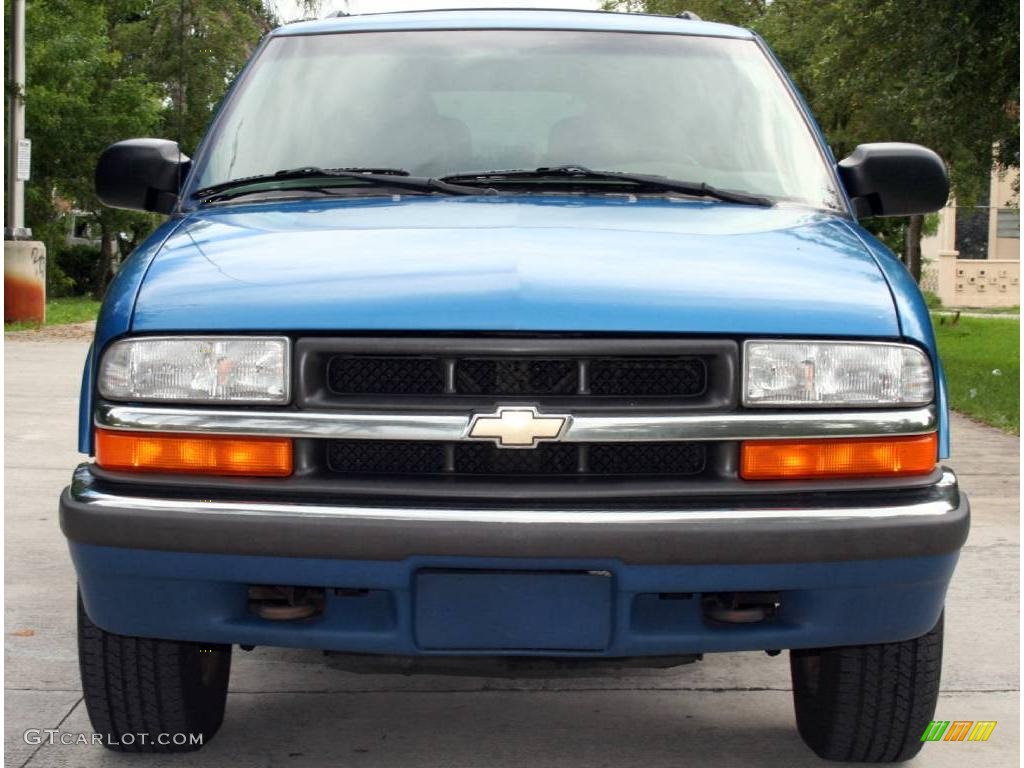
point(943, 500)
point(581, 428)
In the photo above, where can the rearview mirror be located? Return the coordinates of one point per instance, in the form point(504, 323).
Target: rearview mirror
point(141, 175)
point(894, 179)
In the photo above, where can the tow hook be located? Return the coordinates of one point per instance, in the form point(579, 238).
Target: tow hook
point(279, 603)
point(740, 607)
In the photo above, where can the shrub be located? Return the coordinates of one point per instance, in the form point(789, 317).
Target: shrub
point(58, 284)
point(78, 264)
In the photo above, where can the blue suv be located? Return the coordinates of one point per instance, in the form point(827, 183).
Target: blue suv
point(507, 337)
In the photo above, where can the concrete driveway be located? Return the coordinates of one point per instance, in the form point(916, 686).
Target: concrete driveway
point(290, 708)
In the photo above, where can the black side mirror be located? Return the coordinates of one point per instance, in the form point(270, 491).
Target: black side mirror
point(141, 175)
point(893, 179)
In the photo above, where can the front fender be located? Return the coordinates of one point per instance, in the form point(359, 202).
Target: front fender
point(115, 319)
point(914, 319)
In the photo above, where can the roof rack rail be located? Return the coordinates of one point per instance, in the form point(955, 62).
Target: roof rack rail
point(336, 14)
point(689, 16)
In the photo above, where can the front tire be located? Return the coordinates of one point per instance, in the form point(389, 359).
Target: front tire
point(868, 703)
point(148, 695)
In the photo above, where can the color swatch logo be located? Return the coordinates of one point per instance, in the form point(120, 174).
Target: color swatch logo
point(958, 730)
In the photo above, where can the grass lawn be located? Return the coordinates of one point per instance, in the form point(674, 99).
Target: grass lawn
point(982, 361)
point(74, 309)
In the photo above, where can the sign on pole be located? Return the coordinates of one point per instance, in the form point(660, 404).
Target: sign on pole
point(24, 166)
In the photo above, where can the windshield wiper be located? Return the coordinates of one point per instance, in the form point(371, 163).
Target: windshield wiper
point(396, 178)
point(577, 174)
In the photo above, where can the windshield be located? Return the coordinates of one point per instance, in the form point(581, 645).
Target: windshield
point(438, 103)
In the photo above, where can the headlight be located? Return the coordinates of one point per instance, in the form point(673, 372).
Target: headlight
point(822, 374)
point(195, 369)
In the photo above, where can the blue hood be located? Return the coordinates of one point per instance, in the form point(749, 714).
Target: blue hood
point(515, 264)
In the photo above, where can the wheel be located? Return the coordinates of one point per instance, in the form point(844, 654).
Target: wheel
point(868, 703)
point(148, 695)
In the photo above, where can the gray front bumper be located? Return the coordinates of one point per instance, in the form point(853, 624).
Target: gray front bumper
point(857, 525)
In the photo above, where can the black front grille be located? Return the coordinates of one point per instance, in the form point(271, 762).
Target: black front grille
point(488, 459)
point(512, 376)
point(472, 459)
point(421, 375)
point(375, 457)
point(373, 375)
point(646, 458)
point(516, 376)
point(649, 376)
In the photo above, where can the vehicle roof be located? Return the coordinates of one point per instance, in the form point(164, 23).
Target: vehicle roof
point(513, 18)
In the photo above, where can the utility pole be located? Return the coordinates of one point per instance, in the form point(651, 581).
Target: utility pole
point(24, 259)
point(14, 229)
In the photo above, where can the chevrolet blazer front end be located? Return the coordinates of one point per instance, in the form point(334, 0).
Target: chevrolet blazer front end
point(565, 413)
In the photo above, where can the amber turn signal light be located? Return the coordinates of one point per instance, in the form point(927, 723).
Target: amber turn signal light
point(189, 454)
point(858, 457)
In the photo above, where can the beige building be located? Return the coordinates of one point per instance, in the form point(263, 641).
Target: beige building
point(991, 276)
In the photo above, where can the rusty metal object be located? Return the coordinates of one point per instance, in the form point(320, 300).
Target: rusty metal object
point(740, 607)
point(285, 612)
point(24, 281)
point(284, 603)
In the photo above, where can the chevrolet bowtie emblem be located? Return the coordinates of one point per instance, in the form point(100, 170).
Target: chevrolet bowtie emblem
point(517, 427)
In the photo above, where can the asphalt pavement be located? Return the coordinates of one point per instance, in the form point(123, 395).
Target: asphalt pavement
point(294, 708)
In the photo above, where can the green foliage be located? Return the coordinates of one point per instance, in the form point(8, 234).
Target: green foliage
point(78, 100)
point(191, 50)
point(893, 231)
point(942, 73)
point(80, 264)
point(70, 270)
point(743, 13)
point(58, 284)
point(99, 71)
point(982, 362)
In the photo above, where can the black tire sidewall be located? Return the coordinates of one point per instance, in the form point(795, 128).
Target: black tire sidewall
point(174, 691)
point(814, 695)
point(205, 670)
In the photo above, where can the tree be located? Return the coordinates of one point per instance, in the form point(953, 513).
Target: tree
point(189, 51)
point(78, 100)
point(942, 73)
point(192, 50)
point(935, 72)
point(742, 13)
point(102, 71)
